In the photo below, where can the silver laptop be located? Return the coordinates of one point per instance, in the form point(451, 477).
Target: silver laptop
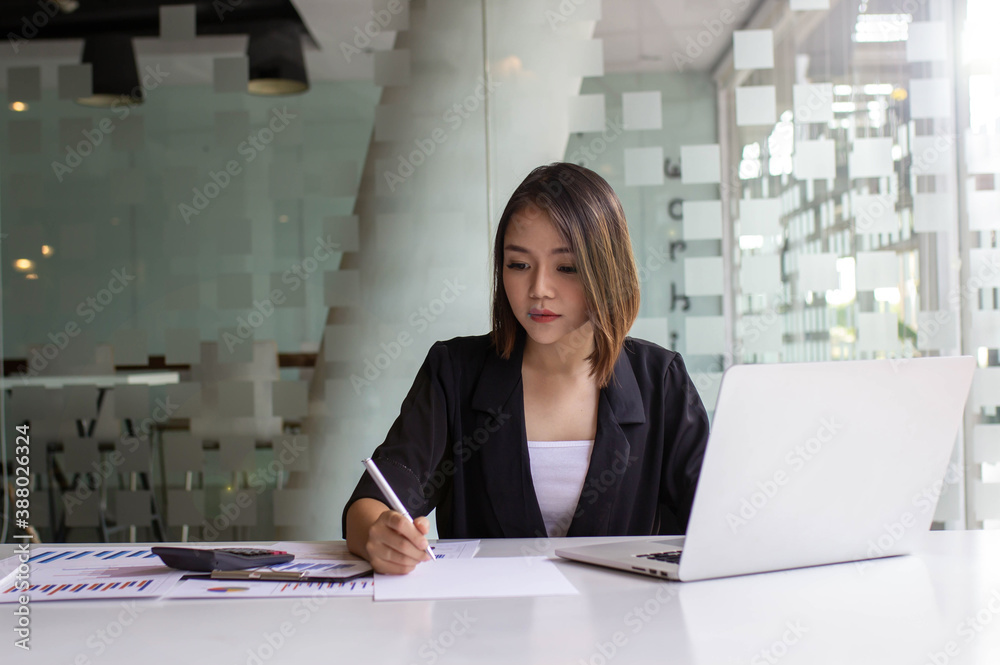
point(810, 464)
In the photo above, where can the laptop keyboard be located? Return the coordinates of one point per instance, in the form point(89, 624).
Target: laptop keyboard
point(674, 556)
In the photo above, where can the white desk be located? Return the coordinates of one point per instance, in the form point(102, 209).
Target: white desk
point(883, 612)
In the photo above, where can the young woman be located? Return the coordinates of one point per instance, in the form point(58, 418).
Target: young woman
point(556, 423)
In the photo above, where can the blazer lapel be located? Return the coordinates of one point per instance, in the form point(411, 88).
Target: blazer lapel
point(506, 465)
point(619, 410)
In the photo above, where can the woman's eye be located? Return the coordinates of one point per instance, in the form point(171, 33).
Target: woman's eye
point(569, 269)
point(515, 266)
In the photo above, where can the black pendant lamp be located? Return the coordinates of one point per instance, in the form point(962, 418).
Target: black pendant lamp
point(115, 75)
point(277, 64)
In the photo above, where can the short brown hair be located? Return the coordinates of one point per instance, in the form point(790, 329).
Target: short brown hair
point(588, 215)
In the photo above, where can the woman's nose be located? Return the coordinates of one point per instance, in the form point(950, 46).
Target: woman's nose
point(541, 284)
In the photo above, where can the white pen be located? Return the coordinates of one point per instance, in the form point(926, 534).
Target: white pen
point(394, 501)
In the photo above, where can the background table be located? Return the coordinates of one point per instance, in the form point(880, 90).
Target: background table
point(940, 606)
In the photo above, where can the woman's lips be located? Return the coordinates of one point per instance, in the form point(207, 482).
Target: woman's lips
point(543, 318)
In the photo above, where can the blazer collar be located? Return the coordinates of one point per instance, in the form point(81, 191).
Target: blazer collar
point(507, 468)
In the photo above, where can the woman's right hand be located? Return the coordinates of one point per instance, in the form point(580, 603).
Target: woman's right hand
point(395, 545)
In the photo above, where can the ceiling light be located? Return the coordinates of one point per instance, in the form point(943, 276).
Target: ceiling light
point(18, 106)
point(24, 265)
point(115, 76)
point(277, 64)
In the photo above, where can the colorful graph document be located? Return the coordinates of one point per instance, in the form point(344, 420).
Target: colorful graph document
point(88, 588)
point(202, 588)
point(104, 571)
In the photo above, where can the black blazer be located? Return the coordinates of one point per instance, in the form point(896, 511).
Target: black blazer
point(459, 445)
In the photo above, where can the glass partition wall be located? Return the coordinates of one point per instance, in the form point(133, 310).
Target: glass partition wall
point(214, 302)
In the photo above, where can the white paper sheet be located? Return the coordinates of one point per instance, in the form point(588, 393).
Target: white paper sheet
point(702, 220)
point(982, 152)
point(930, 98)
point(701, 164)
point(934, 212)
point(643, 166)
point(642, 110)
point(753, 49)
point(932, 155)
point(760, 334)
point(871, 158)
point(760, 274)
point(813, 102)
point(985, 388)
point(927, 41)
point(586, 113)
point(874, 213)
point(492, 577)
point(876, 270)
point(984, 267)
point(760, 217)
point(704, 335)
point(936, 330)
point(703, 276)
point(985, 328)
point(984, 210)
point(815, 160)
point(756, 105)
point(878, 331)
point(986, 443)
point(818, 272)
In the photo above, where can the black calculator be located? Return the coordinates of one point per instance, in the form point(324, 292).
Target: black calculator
point(205, 560)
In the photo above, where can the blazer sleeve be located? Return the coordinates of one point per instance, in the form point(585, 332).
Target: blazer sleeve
point(417, 439)
point(686, 431)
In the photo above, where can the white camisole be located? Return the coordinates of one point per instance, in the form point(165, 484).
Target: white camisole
point(558, 470)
